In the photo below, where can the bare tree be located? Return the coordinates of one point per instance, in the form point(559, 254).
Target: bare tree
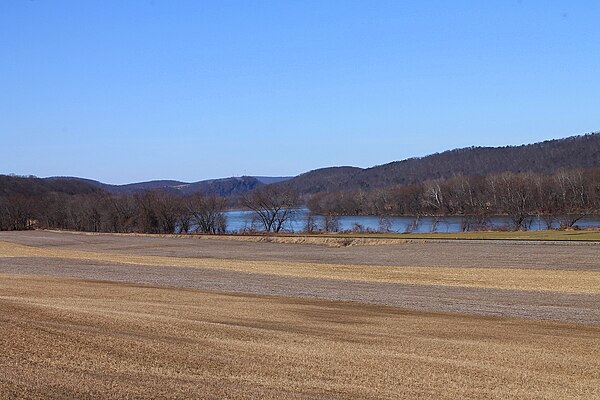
point(573, 197)
point(121, 213)
point(16, 213)
point(544, 198)
point(413, 225)
point(208, 213)
point(311, 223)
point(433, 196)
point(331, 223)
point(147, 219)
point(273, 206)
point(514, 197)
point(384, 224)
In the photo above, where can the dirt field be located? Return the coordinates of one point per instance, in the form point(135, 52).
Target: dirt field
point(107, 316)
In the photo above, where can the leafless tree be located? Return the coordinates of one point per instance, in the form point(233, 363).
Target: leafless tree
point(16, 213)
point(208, 213)
point(121, 213)
point(514, 197)
point(384, 223)
point(413, 225)
point(573, 196)
point(273, 206)
point(311, 225)
point(433, 196)
point(331, 223)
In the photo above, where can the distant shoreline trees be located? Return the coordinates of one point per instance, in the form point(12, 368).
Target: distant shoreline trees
point(563, 199)
point(273, 206)
point(147, 212)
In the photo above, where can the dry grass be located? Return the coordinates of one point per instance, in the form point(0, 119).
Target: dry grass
point(321, 240)
point(587, 235)
point(325, 239)
point(553, 280)
point(66, 338)
point(76, 339)
point(352, 239)
point(362, 239)
point(329, 240)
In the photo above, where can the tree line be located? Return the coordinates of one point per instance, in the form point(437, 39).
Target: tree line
point(561, 198)
point(564, 198)
point(542, 158)
point(146, 212)
point(28, 202)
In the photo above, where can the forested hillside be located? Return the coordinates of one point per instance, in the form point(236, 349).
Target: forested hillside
point(225, 187)
point(545, 157)
point(557, 179)
point(11, 185)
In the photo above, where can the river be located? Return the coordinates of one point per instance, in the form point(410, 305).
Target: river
point(244, 220)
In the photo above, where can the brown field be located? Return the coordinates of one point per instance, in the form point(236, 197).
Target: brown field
point(113, 316)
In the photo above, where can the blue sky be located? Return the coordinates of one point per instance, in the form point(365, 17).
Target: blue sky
point(124, 91)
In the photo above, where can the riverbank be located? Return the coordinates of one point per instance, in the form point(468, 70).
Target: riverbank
point(362, 238)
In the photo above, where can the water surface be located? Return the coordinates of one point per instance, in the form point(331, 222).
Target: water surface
point(244, 220)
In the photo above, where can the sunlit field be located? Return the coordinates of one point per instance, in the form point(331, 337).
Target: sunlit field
point(141, 316)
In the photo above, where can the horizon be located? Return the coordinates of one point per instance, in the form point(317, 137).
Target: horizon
point(191, 91)
point(258, 176)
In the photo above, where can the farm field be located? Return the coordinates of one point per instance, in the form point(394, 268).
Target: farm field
point(122, 316)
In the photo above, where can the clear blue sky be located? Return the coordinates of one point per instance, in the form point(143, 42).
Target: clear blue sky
point(124, 91)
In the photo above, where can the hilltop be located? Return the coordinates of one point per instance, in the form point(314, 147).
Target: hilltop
point(544, 157)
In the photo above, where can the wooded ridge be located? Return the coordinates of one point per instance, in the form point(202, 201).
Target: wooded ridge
point(557, 179)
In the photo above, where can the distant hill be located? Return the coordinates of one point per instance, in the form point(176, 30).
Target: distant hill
point(324, 180)
point(31, 185)
point(544, 157)
point(226, 187)
point(267, 180)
